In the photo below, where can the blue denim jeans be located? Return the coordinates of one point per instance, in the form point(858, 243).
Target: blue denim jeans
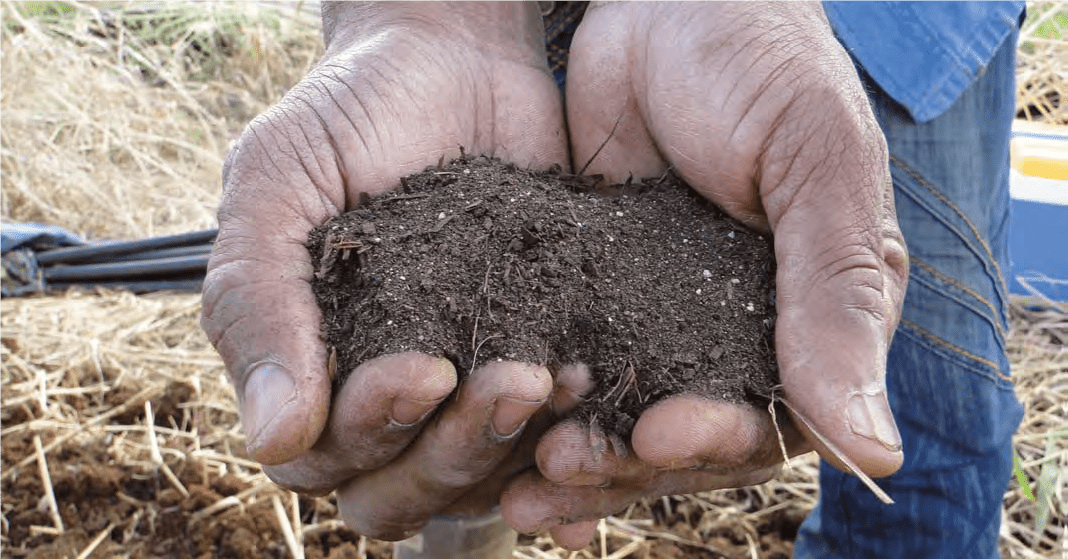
point(947, 371)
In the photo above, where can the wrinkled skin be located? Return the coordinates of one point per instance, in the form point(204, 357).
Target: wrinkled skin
point(398, 87)
point(755, 105)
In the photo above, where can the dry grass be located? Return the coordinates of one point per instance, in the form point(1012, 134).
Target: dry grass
point(112, 133)
point(1038, 349)
point(116, 132)
point(1042, 63)
point(1039, 528)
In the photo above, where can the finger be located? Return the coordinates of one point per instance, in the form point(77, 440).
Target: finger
point(607, 131)
point(801, 130)
point(841, 277)
point(688, 430)
point(576, 536)
point(572, 383)
point(454, 453)
point(684, 431)
point(533, 504)
point(259, 310)
point(578, 452)
point(381, 407)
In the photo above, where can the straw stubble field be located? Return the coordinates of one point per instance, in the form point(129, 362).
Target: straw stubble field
point(119, 433)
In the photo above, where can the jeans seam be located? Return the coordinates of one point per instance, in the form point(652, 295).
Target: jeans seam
point(938, 275)
point(988, 258)
point(912, 329)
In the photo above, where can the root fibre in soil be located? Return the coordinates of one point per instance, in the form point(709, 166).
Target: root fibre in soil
point(654, 288)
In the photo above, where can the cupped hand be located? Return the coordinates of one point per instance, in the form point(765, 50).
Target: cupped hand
point(399, 87)
point(684, 445)
point(759, 109)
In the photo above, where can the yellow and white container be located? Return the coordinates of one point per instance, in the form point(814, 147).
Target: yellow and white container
point(1038, 240)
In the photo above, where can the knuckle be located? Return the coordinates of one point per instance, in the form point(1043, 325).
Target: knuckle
point(453, 479)
point(861, 285)
point(218, 315)
point(215, 319)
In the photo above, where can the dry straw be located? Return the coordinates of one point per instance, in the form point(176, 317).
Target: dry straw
point(118, 130)
point(1042, 63)
point(1038, 526)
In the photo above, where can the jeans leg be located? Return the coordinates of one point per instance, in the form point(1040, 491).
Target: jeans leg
point(947, 371)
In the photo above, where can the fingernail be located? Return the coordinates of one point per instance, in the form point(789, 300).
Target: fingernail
point(509, 415)
point(869, 416)
point(412, 411)
point(269, 388)
point(409, 412)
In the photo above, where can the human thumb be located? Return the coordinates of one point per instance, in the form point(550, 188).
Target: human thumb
point(258, 307)
point(840, 287)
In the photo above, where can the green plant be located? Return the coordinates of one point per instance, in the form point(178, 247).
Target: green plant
point(1054, 28)
point(1021, 477)
point(1047, 478)
point(1045, 22)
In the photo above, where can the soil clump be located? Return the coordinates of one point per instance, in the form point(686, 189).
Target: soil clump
point(654, 288)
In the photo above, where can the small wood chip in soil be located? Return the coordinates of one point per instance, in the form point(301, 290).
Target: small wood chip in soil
point(651, 286)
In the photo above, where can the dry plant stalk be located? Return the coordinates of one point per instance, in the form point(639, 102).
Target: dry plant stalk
point(46, 482)
point(89, 549)
point(841, 456)
point(284, 522)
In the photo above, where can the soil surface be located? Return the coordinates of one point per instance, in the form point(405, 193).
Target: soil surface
point(143, 513)
point(144, 516)
point(654, 288)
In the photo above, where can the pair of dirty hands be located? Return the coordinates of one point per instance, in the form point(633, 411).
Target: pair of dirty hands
point(754, 105)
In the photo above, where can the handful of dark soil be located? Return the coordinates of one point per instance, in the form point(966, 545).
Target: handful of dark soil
point(653, 287)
